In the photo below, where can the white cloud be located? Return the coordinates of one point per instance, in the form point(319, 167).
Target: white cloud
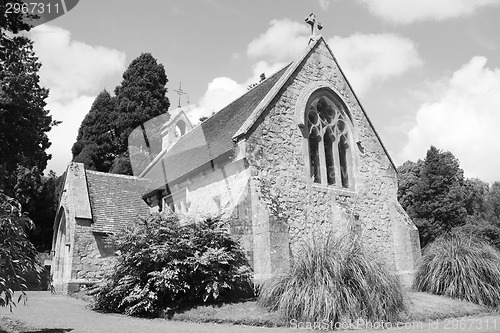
point(283, 41)
point(465, 121)
point(370, 58)
point(223, 90)
point(408, 11)
point(64, 135)
point(220, 92)
point(365, 58)
point(73, 71)
point(70, 67)
point(324, 4)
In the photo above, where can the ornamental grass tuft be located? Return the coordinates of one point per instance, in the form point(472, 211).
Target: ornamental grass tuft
point(335, 280)
point(462, 266)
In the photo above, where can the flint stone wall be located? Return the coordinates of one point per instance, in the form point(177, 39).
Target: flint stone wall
point(300, 211)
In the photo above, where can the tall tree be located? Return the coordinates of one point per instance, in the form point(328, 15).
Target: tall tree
point(24, 121)
point(408, 177)
point(103, 139)
point(437, 198)
point(96, 144)
point(139, 98)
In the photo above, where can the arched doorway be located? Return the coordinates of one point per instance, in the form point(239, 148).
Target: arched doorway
point(60, 269)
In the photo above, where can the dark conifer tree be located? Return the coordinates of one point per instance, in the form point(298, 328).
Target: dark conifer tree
point(103, 138)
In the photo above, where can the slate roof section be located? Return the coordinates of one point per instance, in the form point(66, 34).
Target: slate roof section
point(209, 140)
point(115, 200)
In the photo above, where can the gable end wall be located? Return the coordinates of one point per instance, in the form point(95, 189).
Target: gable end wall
point(296, 209)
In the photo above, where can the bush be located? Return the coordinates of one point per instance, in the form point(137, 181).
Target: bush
point(482, 229)
point(335, 280)
point(461, 266)
point(163, 265)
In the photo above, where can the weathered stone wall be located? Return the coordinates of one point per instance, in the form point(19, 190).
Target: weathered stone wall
point(74, 205)
point(91, 256)
point(276, 154)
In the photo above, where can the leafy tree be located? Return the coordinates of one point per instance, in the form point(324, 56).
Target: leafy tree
point(476, 199)
point(17, 255)
point(166, 265)
point(24, 121)
point(103, 139)
point(433, 193)
point(408, 177)
point(43, 211)
point(494, 201)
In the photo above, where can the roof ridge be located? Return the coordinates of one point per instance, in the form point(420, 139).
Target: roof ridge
point(114, 175)
point(163, 152)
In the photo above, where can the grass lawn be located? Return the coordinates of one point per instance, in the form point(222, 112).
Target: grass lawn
point(422, 307)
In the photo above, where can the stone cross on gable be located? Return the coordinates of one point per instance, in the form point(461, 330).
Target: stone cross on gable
point(315, 25)
point(180, 92)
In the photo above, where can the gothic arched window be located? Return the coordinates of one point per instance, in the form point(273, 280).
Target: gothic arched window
point(328, 139)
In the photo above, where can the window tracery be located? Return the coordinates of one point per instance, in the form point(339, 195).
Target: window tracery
point(328, 141)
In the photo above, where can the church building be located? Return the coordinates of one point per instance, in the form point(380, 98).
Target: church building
point(293, 159)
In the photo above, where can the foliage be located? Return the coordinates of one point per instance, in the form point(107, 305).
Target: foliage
point(102, 142)
point(24, 122)
point(433, 193)
point(335, 280)
point(95, 144)
point(17, 254)
point(494, 201)
point(408, 178)
point(462, 266)
point(42, 211)
point(481, 229)
point(477, 201)
point(164, 265)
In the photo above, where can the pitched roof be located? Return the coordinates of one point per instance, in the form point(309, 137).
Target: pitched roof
point(115, 200)
point(209, 140)
point(217, 134)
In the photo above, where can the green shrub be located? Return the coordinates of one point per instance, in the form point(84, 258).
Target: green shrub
point(165, 266)
point(461, 266)
point(335, 280)
point(481, 229)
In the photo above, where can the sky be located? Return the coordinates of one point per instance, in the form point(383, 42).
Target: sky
point(426, 72)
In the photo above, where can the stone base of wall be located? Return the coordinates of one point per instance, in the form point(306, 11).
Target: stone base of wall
point(406, 278)
point(76, 286)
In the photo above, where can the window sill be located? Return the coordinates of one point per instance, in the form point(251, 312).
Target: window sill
point(346, 192)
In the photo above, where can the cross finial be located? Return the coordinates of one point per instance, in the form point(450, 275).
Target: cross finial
point(180, 92)
point(315, 25)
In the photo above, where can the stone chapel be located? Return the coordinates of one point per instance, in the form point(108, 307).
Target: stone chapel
point(292, 159)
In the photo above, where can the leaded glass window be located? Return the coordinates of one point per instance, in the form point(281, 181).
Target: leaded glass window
point(328, 141)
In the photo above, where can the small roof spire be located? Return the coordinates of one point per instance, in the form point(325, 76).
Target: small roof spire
point(315, 25)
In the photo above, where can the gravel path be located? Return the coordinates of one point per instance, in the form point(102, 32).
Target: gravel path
point(57, 314)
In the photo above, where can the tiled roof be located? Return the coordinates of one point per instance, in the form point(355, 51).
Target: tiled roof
point(210, 139)
point(115, 200)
